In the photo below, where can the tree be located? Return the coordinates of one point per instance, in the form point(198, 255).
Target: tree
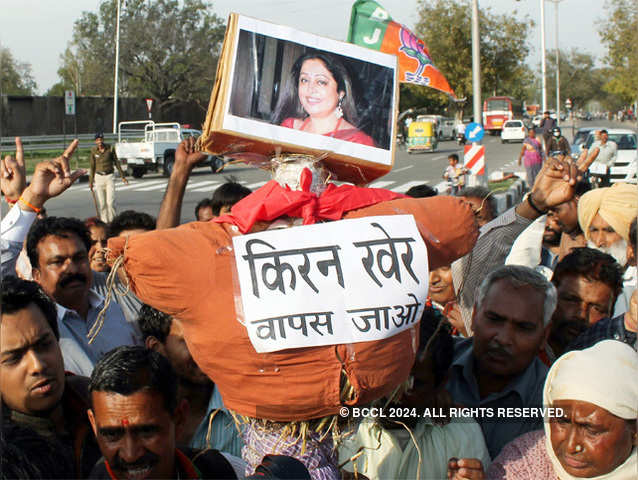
point(15, 77)
point(619, 33)
point(168, 51)
point(580, 80)
point(445, 27)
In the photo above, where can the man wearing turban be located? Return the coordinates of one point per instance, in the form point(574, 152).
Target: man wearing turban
point(605, 216)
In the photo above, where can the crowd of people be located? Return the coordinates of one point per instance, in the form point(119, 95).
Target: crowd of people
point(531, 336)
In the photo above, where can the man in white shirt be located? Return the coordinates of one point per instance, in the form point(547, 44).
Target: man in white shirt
point(604, 154)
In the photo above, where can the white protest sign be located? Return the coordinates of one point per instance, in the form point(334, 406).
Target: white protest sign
point(349, 281)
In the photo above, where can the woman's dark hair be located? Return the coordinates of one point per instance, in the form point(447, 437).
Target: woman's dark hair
point(18, 294)
point(288, 104)
point(129, 369)
point(435, 333)
point(58, 227)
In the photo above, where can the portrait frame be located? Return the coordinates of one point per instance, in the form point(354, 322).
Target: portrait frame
point(254, 72)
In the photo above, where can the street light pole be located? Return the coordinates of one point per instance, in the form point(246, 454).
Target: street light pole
point(117, 66)
point(556, 2)
point(476, 63)
point(543, 62)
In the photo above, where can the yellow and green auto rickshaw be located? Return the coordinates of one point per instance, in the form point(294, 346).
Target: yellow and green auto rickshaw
point(421, 137)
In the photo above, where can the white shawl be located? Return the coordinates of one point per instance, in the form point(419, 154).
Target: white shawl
point(605, 375)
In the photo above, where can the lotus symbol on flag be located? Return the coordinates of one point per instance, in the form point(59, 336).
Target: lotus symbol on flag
point(414, 48)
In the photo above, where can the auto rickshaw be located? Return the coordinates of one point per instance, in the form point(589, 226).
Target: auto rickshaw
point(421, 137)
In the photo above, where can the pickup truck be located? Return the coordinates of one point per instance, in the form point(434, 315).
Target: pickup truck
point(144, 146)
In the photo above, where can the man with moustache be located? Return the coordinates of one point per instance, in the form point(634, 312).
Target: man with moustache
point(621, 327)
point(37, 397)
point(58, 251)
point(605, 215)
point(551, 241)
point(499, 365)
point(566, 215)
point(587, 282)
point(136, 417)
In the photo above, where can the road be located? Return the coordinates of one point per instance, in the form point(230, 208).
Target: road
point(146, 194)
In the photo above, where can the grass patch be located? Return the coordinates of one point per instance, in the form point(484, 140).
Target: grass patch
point(80, 158)
point(502, 186)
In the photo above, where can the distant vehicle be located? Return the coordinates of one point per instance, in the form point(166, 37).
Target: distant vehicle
point(536, 121)
point(626, 161)
point(532, 110)
point(155, 147)
point(421, 137)
point(513, 131)
point(579, 140)
point(443, 126)
point(498, 110)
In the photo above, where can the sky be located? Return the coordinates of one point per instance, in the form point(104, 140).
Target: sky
point(37, 31)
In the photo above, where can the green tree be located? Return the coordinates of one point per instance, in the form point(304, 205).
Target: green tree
point(168, 51)
point(619, 33)
point(445, 27)
point(580, 80)
point(15, 77)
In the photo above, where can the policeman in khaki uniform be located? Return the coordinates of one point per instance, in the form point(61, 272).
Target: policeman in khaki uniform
point(102, 164)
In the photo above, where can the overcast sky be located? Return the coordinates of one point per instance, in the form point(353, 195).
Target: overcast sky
point(37, 31)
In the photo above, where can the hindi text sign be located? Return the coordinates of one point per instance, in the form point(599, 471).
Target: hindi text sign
point(340, 282)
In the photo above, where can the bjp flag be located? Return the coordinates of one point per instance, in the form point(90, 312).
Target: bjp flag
point(371, 26)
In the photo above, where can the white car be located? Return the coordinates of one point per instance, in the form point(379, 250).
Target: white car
point(626, 162)
point(513, 130)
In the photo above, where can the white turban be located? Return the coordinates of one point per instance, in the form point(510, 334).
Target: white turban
point(605, 375)
point(617, 205)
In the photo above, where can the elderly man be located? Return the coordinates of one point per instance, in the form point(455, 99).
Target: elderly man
point(136, 417)
point(588, 282)
point(208, 423)
point(605, 216)
point(499, 365)
point(58, 251)
point(35, 392)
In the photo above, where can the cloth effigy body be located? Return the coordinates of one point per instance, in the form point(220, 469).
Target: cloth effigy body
point(188, 272)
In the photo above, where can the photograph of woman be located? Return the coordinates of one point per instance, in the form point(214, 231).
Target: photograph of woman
point(320, 99)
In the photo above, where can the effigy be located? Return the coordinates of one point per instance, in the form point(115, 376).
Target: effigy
point(306, 298)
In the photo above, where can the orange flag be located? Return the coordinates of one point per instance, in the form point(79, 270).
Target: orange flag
point(371, 26)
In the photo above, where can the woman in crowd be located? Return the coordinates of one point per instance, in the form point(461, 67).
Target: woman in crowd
point(595, 436)
point(320, 100)
point(442, 298)
point(97, 253)
point(532, 156)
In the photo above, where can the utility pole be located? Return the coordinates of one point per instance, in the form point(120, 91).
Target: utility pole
point(117, 66)
point(556, 2)
point(476, 63)
point(543, 61)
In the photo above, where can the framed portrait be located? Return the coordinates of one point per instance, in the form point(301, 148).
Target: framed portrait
point(282, 90)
